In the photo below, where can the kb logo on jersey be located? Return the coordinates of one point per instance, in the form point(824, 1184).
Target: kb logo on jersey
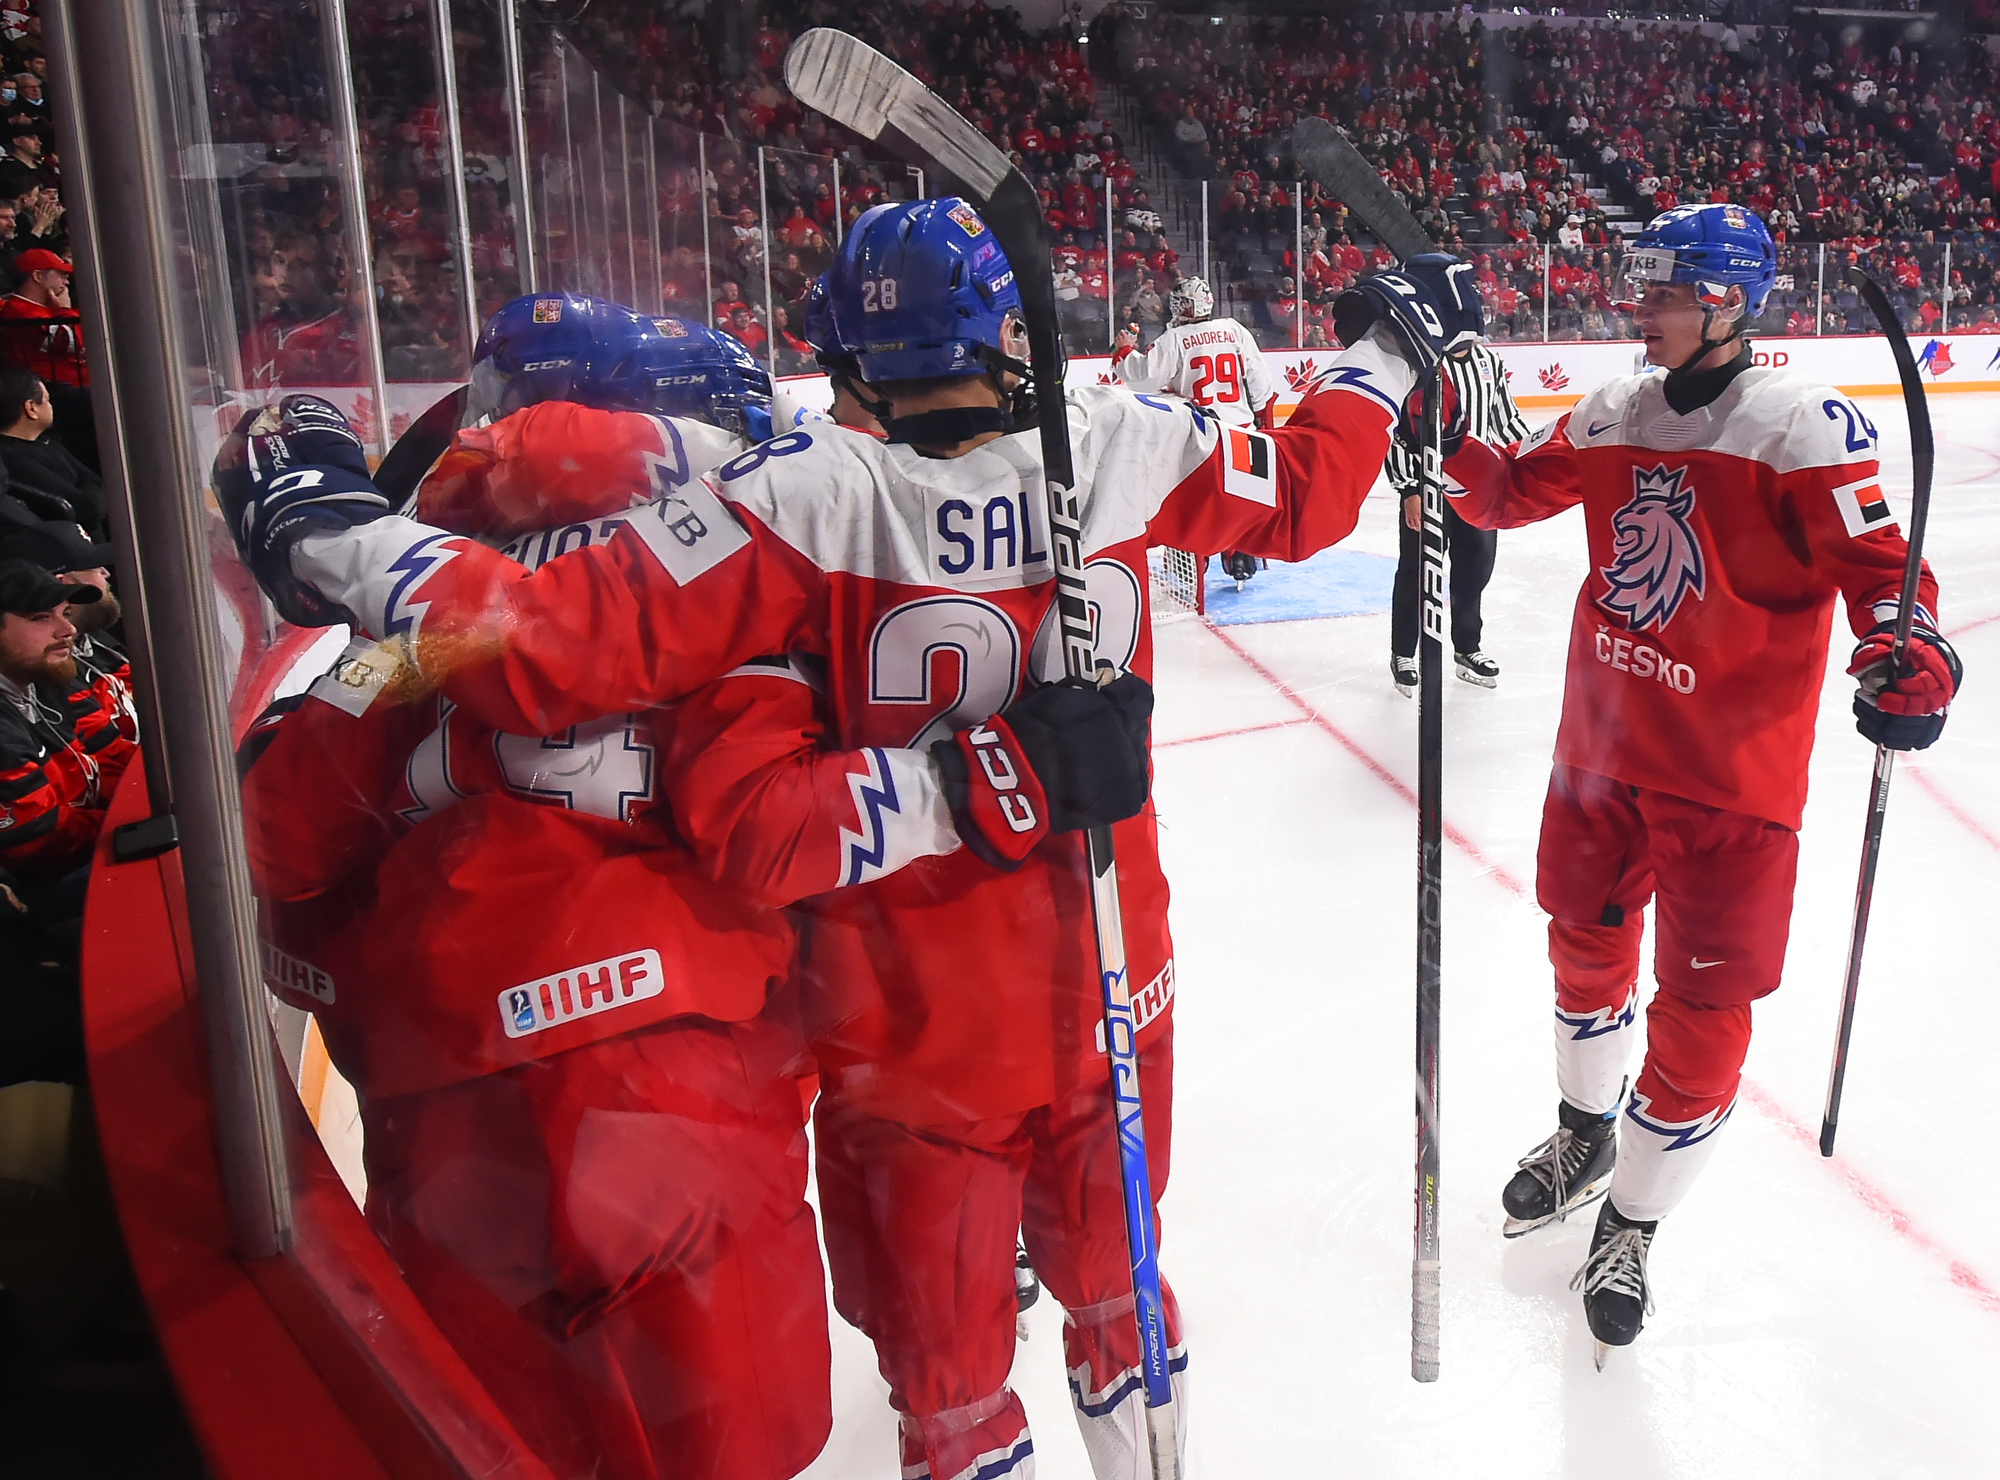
point(1656, 560)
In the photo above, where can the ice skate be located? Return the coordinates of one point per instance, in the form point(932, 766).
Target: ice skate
point(1027, 1284)
point(1476, 667)
point(1616, 1296)
point(1240, 566)
point(1569, 1170)
point(1404, 672)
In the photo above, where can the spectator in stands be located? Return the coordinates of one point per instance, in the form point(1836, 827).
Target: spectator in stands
point(58, 767)
point(1146, 311)
point(105, 674)
point(44, 479)
point(23, 169)
point(310, 338)
point(47, 334)
point(727, 303)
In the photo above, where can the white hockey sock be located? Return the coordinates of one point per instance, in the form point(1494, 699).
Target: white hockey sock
point(1658, 1161)
point(1111, 1410)
point(1591, 1050)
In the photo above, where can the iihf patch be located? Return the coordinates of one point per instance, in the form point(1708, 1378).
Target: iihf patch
point(967, 219)
point(1863, 507)
point(548, 310)
point(672, 328)
point(1249, 467)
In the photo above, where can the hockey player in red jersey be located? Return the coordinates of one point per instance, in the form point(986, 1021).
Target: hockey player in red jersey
point(954, 1006)
point(573, 1051)
point(1727, 507)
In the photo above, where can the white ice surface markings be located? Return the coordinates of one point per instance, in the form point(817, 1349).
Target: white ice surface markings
point(1805, 1329)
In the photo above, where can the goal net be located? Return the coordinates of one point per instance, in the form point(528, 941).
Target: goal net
point(1179, 588)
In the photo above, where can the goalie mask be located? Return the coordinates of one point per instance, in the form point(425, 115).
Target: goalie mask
point(1191, 301)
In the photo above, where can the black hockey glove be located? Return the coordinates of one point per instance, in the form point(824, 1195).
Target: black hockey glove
point(1429, 303)
point(287, 471)
point(1904, 710)
point(1064, 756)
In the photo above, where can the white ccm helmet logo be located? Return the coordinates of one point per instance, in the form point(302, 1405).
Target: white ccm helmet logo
point(1656, 559)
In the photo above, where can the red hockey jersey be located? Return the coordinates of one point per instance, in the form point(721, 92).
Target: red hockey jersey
point(450, 900)
point(1718, 542)
point(923, 589)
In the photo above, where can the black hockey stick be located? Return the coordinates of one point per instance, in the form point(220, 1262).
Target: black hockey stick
point(1922, 456)
point(1325, 155)
point(868, 93)
point(423, 442)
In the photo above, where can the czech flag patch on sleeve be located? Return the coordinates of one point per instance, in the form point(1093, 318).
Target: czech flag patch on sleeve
point(1250, 466)
point(1863, 508)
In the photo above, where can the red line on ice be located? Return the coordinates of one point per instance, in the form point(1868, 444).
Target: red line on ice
point(1958, 814)
point(1381, 772)
point(1276, 724)
point(1878, 1202)
point(1962, 1274)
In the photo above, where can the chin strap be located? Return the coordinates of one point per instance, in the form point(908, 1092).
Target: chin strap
point(1707, 344)
point(949, 426)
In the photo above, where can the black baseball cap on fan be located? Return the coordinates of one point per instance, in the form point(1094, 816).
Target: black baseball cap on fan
point(53, 544)
point(28, 590)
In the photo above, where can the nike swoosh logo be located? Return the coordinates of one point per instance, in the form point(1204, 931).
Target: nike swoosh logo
point(1600, 431)
point(1700, 965)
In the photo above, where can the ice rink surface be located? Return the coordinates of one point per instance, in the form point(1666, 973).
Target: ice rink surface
point(1823, 1319)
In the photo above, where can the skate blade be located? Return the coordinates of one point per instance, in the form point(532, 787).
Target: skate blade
point(1515, 1227)
point(1603, 1354)
point(1480, 680)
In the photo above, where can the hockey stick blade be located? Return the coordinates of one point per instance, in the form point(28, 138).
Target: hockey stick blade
point(1325, 155)
point(856, 86)
point(1923, 455)
point(425, 440)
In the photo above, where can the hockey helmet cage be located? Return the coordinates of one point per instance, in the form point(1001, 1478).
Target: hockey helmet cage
point(922, 289)
point(1713, 247)
point(1191, 301)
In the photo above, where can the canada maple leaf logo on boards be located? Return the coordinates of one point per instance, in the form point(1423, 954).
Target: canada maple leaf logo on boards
point(1936, 357)
point(1301, 375)
point(1656, 558)
point(1105, 377)
point(1553, 377)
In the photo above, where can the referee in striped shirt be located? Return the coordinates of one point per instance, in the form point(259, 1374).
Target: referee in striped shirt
point(1481, 383)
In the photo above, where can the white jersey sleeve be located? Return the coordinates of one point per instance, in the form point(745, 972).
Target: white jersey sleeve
point(1161, 368)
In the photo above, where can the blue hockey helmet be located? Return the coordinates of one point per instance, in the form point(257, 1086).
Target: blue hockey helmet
point(821, 333)
point(1713, 247)
point(703, 373)
point(922, 289)
point(573, 347)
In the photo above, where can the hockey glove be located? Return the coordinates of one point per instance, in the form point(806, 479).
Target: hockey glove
point(1065, 756)
point(1904, 710)
point(287, 471)
point(1429, 304)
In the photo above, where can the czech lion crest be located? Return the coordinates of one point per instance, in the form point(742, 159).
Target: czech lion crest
point(1655, 558)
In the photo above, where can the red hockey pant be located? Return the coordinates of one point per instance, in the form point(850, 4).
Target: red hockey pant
point(1724, 884)
point(920, 1226)
point(616, 1238)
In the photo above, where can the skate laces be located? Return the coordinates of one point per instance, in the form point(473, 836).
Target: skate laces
point(1617, 1266)
point(1557, 1160)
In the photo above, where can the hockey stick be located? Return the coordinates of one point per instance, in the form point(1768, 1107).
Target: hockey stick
point(1325, 154)
point(1922, 456)
point(423, 442)
point(862, 89)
